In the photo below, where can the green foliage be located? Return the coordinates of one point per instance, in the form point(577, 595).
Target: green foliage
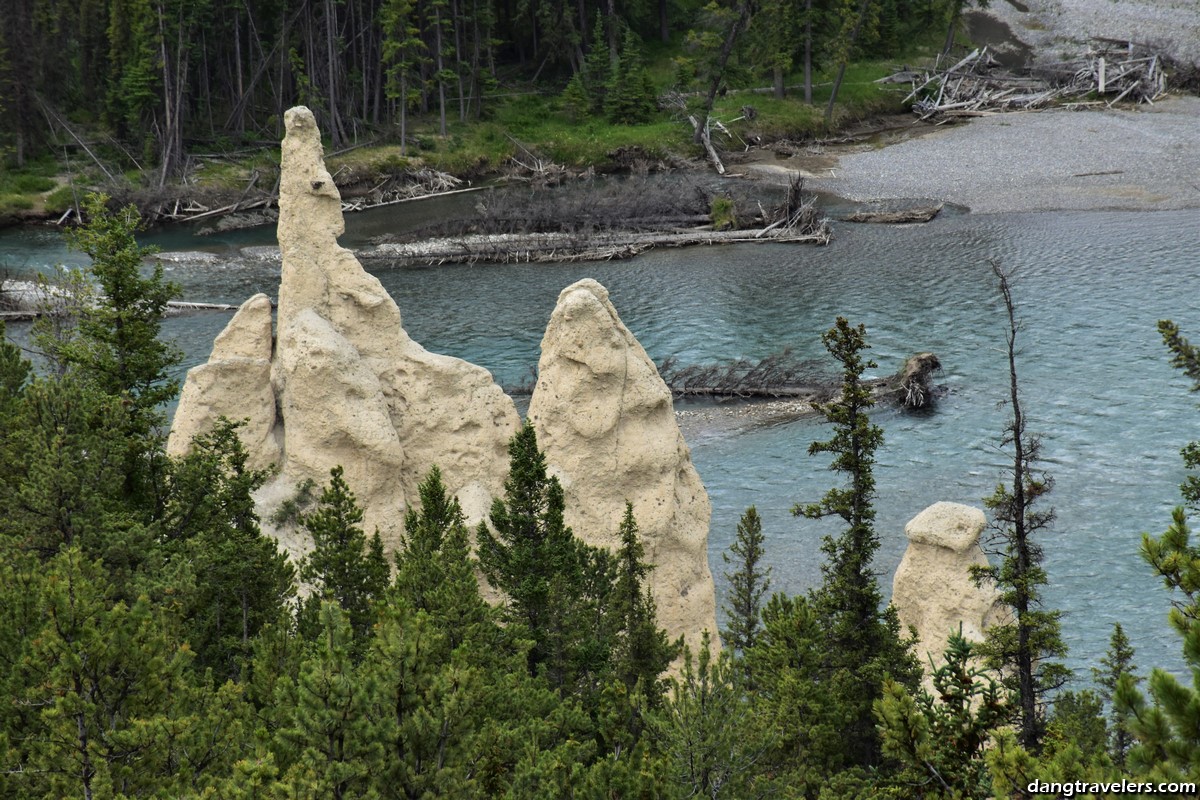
point(940, 738)
point(630, 98)
point(576, 103)
point(118, 346)
point(114, 344)
point(597, 69)
point(435, 572)
point(1077, 722)
point(723, 213)
point(292, 508)
point(555, 584)
point(59, 200)
point(344, 566)
point(1117, 662)
point(861, 644)
point(707, 730)
point(1024, 649)
point(112, 710)
point(427, 704)
point(31, 184)
point(239, 579)
point(66, 489)
point(641, 650)
point(747, 583)
point(1166, 748)
point(1186, 357)
point(14, 374)
point(16, 202)
point(325, 736)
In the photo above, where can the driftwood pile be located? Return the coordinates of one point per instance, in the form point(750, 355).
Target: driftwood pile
point(413, 184)
point(977, 86)
point(597, 222)
point(1113, 69)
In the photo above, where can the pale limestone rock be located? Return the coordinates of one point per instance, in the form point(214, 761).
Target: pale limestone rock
point(235, 383)
point(349, 385)
point(605, 420)
point(933, 590)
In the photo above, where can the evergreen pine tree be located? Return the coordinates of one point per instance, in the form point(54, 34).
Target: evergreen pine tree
point(940, 738)
point(706, 731)
point(1166, 746)
point(325, 745)
point(66, 489)
point(576, 103)
point(117, 346)
point(1186, 357)
point(434, 570)
point(343, 566)
point(428, 702)
point(556, 585)
point(863, 642)
point(642, 651)
point(1165, 730)
point(108, 689)
point(629, 99)
point(747, 583)
point(1025, 648)
point(597, 67)
point(241, 581)
point(14, 375)
point(1075, 730)
point(1116, 662)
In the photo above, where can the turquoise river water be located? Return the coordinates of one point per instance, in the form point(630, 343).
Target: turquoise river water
point(1095, 377)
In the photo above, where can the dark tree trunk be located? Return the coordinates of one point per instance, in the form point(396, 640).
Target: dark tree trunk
point(841, 73)
point(722, 61)
point(808, 52)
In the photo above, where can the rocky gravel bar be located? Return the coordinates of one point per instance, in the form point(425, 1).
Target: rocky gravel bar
point(1142, 158)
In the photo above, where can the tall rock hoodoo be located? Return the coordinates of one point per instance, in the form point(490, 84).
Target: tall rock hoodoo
point(933, 590)
point(343, 383)
point(604, 418)
point(340, 382)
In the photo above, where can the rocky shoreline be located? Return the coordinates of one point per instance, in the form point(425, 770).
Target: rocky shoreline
point(1128, 159)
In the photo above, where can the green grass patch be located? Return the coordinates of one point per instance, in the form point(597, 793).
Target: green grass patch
point(723, 212)
point(15, 202)
point(61, 199)
point(31, 180)
point(32, 184)
point(537, 123)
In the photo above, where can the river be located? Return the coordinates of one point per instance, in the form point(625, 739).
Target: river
point(1095, 377)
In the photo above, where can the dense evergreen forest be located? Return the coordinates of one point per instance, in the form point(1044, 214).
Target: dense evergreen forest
point(154, 644)
point(160, 77)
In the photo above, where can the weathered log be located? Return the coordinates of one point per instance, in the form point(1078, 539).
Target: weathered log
point(918, 214)
point(509, 248)
point(780, 376)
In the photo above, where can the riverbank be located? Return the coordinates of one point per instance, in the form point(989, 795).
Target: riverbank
point(1132, 159)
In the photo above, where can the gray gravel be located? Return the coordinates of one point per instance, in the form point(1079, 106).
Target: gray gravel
point(1170, 26)
point(1132, 159)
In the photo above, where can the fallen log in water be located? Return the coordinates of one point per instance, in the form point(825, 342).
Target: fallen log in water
point(779, 376)
point(916, 214)
point(507, 248)
point(178, 307)
point(28, 300)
